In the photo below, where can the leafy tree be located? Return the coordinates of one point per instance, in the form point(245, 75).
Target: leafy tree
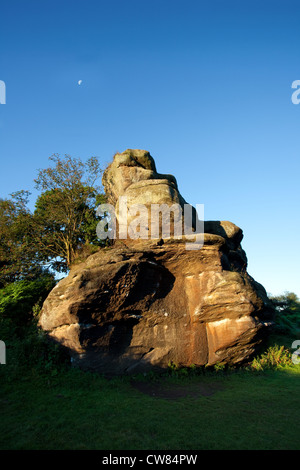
point(287, 307)
point(65, 212)
point(19, 299)
point(62, 225)
point(18, 256)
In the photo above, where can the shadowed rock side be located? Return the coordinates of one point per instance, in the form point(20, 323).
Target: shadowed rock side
point(142, 304)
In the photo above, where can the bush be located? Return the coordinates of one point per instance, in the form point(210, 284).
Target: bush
point(26, 345)
point(29, 347)
point(287, 318)
point(20, 300)
point(275, 356)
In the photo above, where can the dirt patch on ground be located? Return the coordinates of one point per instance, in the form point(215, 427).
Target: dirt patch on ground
point(176, 391)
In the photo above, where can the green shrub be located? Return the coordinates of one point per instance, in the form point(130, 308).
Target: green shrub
point(21, 300)
point(287, 318)
point(219, 366)
point(29, 348)
point(275, 356)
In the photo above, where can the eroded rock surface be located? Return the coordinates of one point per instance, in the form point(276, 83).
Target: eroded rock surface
point(137, 306)
point(133, 175)
point(144, 304)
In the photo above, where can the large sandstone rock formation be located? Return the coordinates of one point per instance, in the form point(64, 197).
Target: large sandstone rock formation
point(142, 304)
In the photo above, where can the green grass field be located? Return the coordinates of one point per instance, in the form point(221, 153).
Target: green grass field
point(48, 405)
point(213, 410)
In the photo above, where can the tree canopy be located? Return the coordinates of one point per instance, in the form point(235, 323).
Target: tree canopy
point(19, 258)
point(63, 221)
point(287, 308)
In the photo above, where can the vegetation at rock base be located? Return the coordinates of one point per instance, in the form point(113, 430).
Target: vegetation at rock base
point(21, 300)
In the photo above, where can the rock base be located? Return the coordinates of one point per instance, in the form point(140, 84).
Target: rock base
point(141, 305)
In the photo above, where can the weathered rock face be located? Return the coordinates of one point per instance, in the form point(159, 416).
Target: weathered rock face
point(142, 304)
point(132, 175)
point(135, 169)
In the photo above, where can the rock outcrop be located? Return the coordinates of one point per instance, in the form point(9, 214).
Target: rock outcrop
point(143, 304)
point(132, 175)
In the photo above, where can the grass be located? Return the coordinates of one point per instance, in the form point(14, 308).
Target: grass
point(78, 410)
point(45, 404)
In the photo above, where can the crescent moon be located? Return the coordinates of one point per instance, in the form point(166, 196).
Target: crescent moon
point(79, 82)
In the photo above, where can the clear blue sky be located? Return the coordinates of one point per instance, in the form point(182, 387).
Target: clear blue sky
point(205, 86)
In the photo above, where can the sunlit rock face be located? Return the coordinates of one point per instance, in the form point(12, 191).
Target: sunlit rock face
point(142, 304)
point(132, 176)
